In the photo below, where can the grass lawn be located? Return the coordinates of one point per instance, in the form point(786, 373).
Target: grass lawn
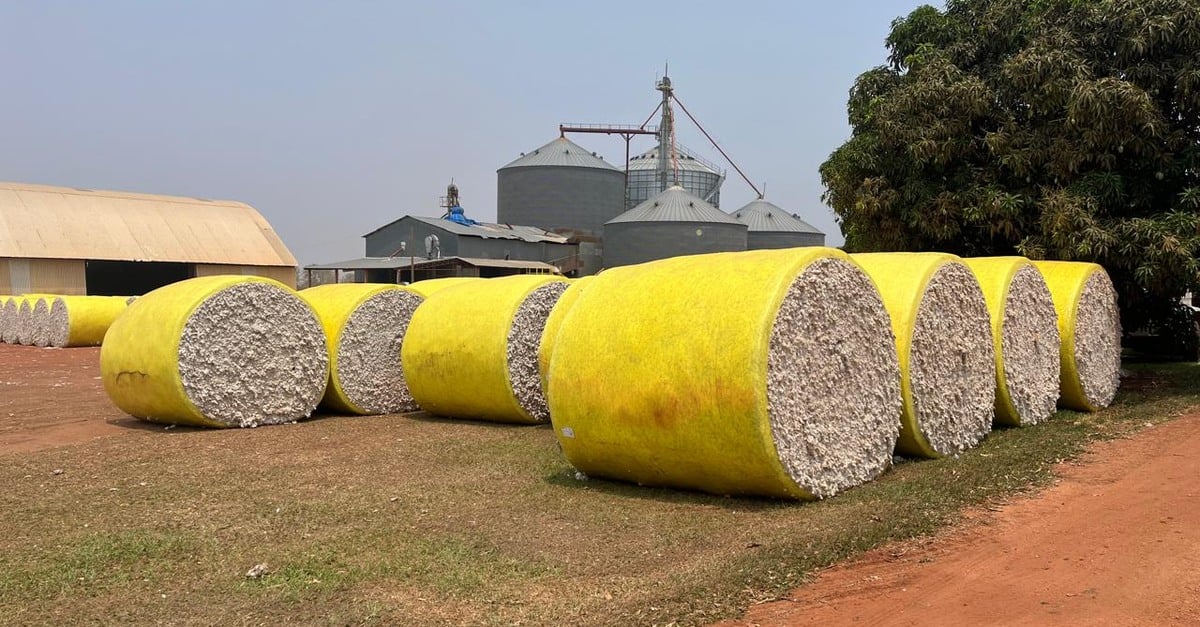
point(415, 520)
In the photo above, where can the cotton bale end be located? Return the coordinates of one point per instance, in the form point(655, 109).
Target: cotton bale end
point(1089, 324)
point(364, 326)
point(944, 342)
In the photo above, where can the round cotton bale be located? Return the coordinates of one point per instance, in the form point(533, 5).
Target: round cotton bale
point(554, 322)
point(39, 323)
point(25, 325)
point(8, 311)
point(219, 351)
point(944, 342)
point(768, 372)
point(471, 350)
point(364, 327)
point(1089, 324)
point(81, 320)
point(1024, 338)
point(429, 286)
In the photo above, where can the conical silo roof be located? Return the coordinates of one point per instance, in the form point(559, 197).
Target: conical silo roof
point(763, 216)
point(674, 204)
point(686, 159)
point(560, 152)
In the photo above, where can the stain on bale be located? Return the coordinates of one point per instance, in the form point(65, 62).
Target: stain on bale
point(768, 372)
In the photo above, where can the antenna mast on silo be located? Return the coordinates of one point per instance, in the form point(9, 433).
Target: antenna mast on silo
point(668, 167)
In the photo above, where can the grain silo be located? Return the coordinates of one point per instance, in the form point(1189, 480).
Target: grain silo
point(561, 185)
point(769, 226)
point(672, 223)
point(699, 177)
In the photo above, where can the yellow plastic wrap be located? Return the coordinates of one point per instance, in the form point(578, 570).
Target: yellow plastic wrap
point(659, 372)
point(1066, 280)
point(430, 286)
point(139, 360)
point(89, 317)
point(455, 355)
point(902, 279)
point(554, 322)
point(334, 304)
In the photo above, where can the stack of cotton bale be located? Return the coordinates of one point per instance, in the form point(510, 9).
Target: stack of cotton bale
point(769, 372)
point(364, 326)
point(5, 317)
point(222, 351)
point(71, 321)
point(471, 349)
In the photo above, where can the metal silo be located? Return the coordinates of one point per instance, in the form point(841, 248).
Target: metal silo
point(769, 226)
point(699, 177)
point(672, 223)
point(560, 185)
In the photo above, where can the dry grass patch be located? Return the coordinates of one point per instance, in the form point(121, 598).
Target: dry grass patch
point(386, 520)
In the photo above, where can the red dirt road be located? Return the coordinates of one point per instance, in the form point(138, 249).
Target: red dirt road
point(51, 397)
point(1115, 542)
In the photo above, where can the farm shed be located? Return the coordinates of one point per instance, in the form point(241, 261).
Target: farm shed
point(457, 236)
point(65, 240)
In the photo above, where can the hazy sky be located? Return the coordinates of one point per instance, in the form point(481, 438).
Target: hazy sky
point(334, 118)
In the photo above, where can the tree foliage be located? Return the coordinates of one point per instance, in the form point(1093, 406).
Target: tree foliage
point(1057, 129)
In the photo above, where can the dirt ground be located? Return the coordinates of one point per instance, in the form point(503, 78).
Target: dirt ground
point(1114, 542)
point(52, 397)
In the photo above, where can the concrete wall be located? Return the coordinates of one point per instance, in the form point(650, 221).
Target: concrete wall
point(760, 240)
point(552, 197)
point(627, 243)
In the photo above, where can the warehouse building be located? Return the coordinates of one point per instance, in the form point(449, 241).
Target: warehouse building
point(65, 240)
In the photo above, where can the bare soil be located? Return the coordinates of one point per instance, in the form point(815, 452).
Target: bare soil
point(1114, 542)
point(50, 397)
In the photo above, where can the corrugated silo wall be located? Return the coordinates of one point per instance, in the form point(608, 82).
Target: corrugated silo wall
point(627, 243)
point(758, 241)
point(559, 196)
point(50, 276)
point(644, 184)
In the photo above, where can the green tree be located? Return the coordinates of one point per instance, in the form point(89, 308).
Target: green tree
point(1057, 129)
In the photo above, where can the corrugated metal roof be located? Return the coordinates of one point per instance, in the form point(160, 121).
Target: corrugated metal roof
point(674, 204)
point(44, 222)
point(761, 215)
point(367, 263)
point(687, 159)
point(486, 230)
point(481, 262)
point(561, 152)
